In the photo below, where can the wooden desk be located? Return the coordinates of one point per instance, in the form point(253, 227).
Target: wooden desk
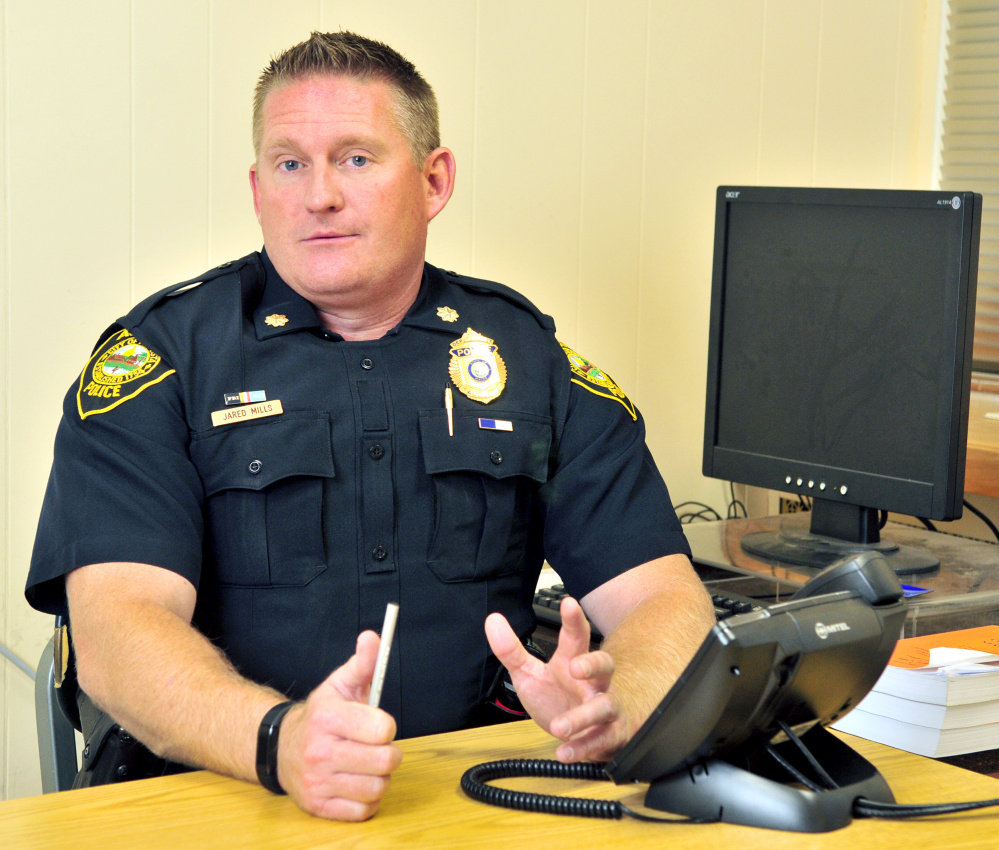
point(425, 807)
point(981, 472)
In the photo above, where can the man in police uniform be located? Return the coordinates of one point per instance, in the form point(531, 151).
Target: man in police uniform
point(250, 468)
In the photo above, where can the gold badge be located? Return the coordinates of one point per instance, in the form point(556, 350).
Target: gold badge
point(447, 314)
point(598, 382)
point(276, 320)
point(476, 367)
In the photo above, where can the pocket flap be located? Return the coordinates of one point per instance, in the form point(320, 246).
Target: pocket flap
point(523, 450)
point(254, 456)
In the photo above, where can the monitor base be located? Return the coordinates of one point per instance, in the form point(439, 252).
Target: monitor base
point(758, 795)
point(804, 549)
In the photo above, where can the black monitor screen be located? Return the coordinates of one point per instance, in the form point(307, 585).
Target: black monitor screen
point(840, 347)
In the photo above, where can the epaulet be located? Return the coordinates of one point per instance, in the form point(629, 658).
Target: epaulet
point(493, 288)
point(141, 310)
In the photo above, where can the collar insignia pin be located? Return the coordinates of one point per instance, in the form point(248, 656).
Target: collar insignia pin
point(276, 320)
point(447, 314)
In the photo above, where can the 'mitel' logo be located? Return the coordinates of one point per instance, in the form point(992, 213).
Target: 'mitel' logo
point(823, 631)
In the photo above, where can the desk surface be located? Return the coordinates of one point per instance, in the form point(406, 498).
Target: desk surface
point(426, 808)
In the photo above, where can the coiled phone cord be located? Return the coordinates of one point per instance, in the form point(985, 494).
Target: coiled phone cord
point(475, 779)
point(474, 783)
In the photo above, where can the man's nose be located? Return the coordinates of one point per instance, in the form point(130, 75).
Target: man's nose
point(325, 191)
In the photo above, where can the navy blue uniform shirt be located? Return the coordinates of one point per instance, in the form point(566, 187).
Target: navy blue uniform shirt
point(300, 481)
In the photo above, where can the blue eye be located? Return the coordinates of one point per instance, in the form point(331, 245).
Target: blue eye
point(358, 161)
point(290, 165)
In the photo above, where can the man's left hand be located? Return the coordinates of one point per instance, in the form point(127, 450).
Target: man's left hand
point(571, 696)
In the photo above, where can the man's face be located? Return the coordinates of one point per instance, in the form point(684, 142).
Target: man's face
point(341, 202)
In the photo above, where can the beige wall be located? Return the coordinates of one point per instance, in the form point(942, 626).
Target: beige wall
point(590, 137)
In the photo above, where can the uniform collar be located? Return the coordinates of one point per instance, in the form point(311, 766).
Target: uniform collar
point(281, 310)
point(439, 304)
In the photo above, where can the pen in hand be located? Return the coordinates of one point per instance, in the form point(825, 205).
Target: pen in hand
point(381, 662)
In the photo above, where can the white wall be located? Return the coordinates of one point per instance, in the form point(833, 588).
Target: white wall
point(590, 137)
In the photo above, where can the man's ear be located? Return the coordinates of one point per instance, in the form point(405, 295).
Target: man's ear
point(255, 188)
point(438, 172)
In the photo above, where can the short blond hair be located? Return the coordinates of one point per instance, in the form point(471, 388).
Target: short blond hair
point(346, 54)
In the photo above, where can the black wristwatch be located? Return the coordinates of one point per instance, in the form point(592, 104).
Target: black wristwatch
point(267, 747)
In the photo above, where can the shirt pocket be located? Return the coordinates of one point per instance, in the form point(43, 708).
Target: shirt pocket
point(485, 486)
point(264, 499)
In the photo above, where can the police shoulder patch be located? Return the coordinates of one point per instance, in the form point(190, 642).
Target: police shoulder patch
point(120, 368)
point(596, 380)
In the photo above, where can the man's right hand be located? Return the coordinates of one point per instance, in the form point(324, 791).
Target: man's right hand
point(335, 753)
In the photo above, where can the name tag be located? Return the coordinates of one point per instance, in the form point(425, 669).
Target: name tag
point(246, 412)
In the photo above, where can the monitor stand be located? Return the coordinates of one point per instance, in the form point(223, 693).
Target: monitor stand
point(760, 794)
point(837, 531)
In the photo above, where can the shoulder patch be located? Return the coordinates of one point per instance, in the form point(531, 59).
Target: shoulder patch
point(596, 381)
point(120, 368)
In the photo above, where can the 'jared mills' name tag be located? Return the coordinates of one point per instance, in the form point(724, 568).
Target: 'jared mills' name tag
point(246, 412)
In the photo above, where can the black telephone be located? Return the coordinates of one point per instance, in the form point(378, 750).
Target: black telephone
point(708, 749)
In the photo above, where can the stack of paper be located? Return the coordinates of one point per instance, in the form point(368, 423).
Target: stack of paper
point(938, 696)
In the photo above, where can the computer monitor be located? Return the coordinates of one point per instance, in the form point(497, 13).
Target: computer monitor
point(839, 360)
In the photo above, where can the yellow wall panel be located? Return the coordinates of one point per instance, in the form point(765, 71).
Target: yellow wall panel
point(704, 105)
point(170, 102)
point(529, 123)
point(858, 70)
point(612, 188)
point(7, 670)
point(788, 93)
point(915, 92)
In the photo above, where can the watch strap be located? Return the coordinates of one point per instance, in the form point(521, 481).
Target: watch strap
point(267, 747)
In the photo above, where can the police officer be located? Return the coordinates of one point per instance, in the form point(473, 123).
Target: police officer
point(253, 464)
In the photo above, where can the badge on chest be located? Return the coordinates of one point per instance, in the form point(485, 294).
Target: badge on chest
point(476, 367)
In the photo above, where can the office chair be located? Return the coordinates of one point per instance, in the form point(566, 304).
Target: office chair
point(56, 715)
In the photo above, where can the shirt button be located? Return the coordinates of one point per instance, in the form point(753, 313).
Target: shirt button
point(496, 457)
point(376, 452)
point(367, 364)
point(379, 553)
point(255, 467)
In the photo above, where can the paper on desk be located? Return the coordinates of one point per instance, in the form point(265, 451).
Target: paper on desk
point(965, 646)
point(947, 656)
